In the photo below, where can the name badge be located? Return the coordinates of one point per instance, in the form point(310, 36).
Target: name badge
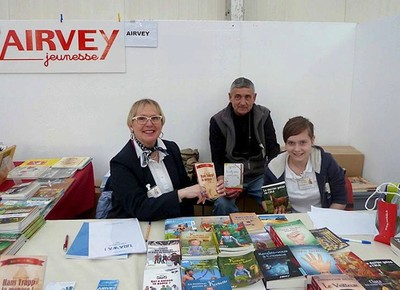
point(154, 192)
point(305, 183)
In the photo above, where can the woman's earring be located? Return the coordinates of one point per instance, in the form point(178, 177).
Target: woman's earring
point(161, 135)
point(132, 137)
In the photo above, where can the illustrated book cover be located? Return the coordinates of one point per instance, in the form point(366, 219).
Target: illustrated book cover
point(292, 233)
point(52, 189)
point(275, 195)
point(232, 237)
point(388, 270)
point(351, 264)
point(233, 176)
point(241, 270)
point(272, 219)
point(262, 241)
point(278, 263)
point(207, 178)
point(314, 259)
point(73, 162)
point(26, 172)
point(16, 219)
point(328, 239)
point(202, 269)
point(222, 283)
point(206, 222)
point(335, 281)
point(163, 253)
point(27, 271)
point(249, 219)
point(158, 278)
point(175, 226)
point(21, 191)
point(44, 162)
point(197, 245)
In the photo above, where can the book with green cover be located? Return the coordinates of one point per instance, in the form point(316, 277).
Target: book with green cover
point(291, 234)
point(275, 195)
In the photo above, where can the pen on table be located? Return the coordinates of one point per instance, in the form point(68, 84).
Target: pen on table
point(356, 241)
point(148, 231)
point(65, 246)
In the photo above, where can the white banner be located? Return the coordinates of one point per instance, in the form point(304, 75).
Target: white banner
point(141, 33)
point(61, 47)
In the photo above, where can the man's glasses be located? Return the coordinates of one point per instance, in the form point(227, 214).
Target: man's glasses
point(142, 120)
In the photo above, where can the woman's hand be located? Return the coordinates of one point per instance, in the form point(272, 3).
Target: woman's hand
point(222, 191)
point(193, 192)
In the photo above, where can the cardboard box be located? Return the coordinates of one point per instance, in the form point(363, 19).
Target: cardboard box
point(348, 158)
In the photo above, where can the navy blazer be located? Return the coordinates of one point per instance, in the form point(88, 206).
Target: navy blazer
point(128, 182)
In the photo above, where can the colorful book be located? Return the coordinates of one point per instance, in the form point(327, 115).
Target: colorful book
point(157, 278)
point(202, 269)
point(108, 284)
point(16, 218)
point(207, 178)
point(335, 281)
point(232, 238)
point(175, 226)
point(233, 176)
point(388, 270)
point(26, 172)
point(21, 191)
point(275, 195)
point(241, 270)
point(222, 283)
point(163, 253)
point(351, 264)
point(207, 222)
point(73, 162)
point(315, 260)
point(328, 239)
point(262, 241)
point(292, 233)
point(249, 219)
point(272, 219)
point(198, 245)
point(22, 270)
point(43, 162)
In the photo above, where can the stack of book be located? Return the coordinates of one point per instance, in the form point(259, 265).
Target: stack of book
point(20, 191)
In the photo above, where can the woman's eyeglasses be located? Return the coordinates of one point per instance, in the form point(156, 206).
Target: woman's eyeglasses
point(142, 120)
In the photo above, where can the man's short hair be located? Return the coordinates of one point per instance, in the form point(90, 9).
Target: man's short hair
point(242, 83)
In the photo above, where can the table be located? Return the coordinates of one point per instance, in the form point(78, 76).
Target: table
point(50, 239)
point(79, 198)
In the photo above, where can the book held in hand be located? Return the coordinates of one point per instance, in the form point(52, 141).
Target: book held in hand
point(207, 178)
point(233, 176)
point(275, 195)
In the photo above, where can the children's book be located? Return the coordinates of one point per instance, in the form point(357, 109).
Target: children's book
point(44, 162)
point(107, 285)
point(203, 270)
point(222, 283)
point(175, 226)
point(163, 253)
point(314, 259)
point(21, 191)
point(249, 219)
point(158, 278)
point(198, 245)
point(26, 172)
point(73, 162)
point(335, 281)
point(233, 176)
point(207, 178)
point(328, 239)
point(278, 263)
point(22, 270)
point(272, 219)
point(232, 237)
point(388, 270)
point(262, 241)
point(349, 263)
point(206, 222)
point(275, 195)
point(292, 233)
point(241, 270)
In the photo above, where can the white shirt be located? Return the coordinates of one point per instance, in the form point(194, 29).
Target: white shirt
point(302, 189)
point(158, 169)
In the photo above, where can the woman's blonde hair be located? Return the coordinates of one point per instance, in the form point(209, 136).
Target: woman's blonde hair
point(141, 103)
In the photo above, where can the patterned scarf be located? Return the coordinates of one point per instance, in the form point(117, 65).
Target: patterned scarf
point(148, 151)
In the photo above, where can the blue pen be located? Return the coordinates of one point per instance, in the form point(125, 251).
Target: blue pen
point(356, 241)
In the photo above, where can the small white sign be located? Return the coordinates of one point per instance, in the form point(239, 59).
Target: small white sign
point(141, 33)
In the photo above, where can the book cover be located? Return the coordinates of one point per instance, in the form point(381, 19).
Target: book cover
point(108, 284)
point(349, 263)
point(52, 189)
point(174, 227)
point(233, 176)
point(202, 269)
point(22, 271)
point(26, 172)
point(314, 259)
point(163, 253)
point(232, 237)
point(6, 161)
point(249, 219)
point(56, 173)
point(207, 222)
point(272, 219)
point(16, 218)
point(395, 245)
point(222, 283)
point(275, 195)
point(73, 162)
point(197, 244)
point(45, 162)
point(262, 240)
point(21, 191)
point(207, 178)
point(388, 270)
point(292, 233)
point(241, 270)
point(159, 278)
point(278, 263)
point(335, 281)
point(328, 239)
